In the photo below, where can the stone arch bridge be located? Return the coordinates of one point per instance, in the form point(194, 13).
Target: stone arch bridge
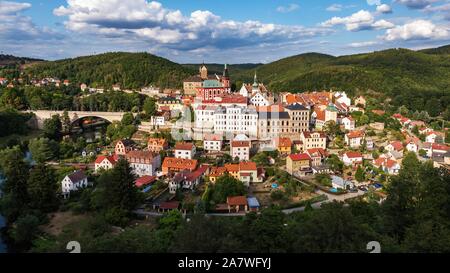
point(41, 115)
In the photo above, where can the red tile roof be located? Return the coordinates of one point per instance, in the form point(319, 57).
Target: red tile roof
point(317, 152)
point(244, 143)
point(283, 142)
point(184, 146)
point(179, 163)
point(355, 134)
point(398, 146)
point(232, 167)
point(247, 166)
point(441, 147)
point(217, 171)
point(140, 156)
point(112, 159)
point(351, 154)
point(298, 157)
point(236, 200)
point(145, 180)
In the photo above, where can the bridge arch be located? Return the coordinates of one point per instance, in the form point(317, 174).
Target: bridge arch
point(42, 115)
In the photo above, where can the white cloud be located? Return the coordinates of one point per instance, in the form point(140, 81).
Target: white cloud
point(363, 44)
point(151, 22)
point(417, 30)
point(416, 4)
point(373, 2)
point(288, 8)
point(335, 7)
point(384, 8)
point(361, 20)
point(443, 9)
point(14, 26)
point(7, 7)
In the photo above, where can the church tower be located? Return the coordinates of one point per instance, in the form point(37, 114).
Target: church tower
point(255, 86)
point(226, 78)
point(203, 72)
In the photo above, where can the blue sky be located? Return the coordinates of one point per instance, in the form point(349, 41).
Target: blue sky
point(220, 31)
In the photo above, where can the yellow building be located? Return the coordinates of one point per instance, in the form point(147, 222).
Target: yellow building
point(298, 162)
point(283, 145)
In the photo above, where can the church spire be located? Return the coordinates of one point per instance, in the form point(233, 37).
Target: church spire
point(225, 71)
point(255, 81)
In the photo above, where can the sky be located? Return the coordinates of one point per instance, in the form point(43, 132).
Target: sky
point(232, 31)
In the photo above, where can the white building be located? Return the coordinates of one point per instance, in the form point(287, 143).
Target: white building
point(342, 97)
point(73, 182)
point(260, 99)
point(204, 116)
point(157, 121)
point(412, 147)
point(240, 149)
point(212, 143)
point(354, 139)
point(143, 162)
point(185, 150)
point(349, 123)
point(233, 120)
point(351, 158)
point(105, 162)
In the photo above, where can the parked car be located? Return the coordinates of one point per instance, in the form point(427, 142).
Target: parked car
point(363, 188)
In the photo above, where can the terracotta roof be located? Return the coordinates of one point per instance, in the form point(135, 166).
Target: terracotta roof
point(247, 166)
point(317, 152)
point(112, 159)
point(184, 146)
point(235, 144)
point(156, 141)
point(441, 147)
point(179, 163)
point(389, 163)
point(355, 134)
point(236, 200)
point(212, 137)
point(144, 180)
point(398, 146)
point(283, 142)
point(351, 154)
point(236, 99)
point(140, 156)
point(298, 157)
point(217, 171)
point(320, 114)
point(232, 168)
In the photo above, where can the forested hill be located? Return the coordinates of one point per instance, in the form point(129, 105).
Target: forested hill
point(445, 50)
point(130, 70)
point(13, 60)
point(384, 71)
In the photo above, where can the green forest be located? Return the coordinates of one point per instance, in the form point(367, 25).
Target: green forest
point(130, 70)
point(413, 218)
